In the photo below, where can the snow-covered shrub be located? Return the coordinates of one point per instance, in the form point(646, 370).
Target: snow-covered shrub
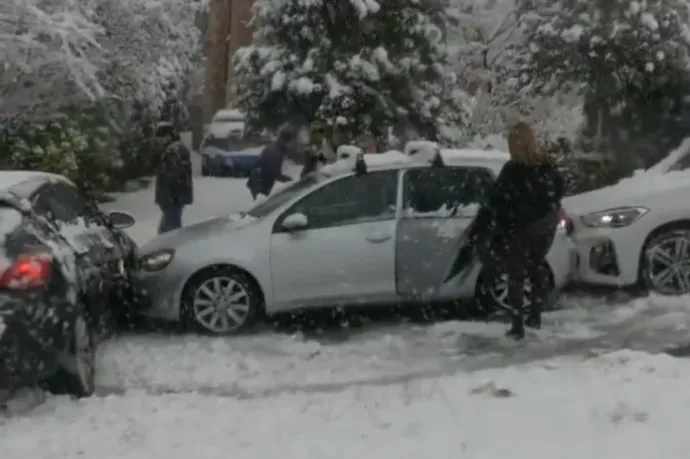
point(83, 148)
point(357, 66)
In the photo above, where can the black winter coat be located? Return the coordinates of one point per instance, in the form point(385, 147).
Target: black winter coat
point(519, 220)
point(174, 185)
point(268, 170)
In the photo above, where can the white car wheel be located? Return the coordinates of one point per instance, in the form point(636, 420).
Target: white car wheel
point(221, 301)
point(666, 263)
point(493, 299)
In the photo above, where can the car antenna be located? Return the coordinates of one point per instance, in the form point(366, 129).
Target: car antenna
point(360, 165)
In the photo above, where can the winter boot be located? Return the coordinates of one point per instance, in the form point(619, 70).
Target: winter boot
point(534, 317)
point(517, 328)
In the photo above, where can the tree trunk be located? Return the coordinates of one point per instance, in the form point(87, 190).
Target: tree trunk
point(217, 59)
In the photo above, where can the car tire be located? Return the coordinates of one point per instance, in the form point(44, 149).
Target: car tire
point(221, 300)
point(76, 374)
point(666, 240)
point(205, 171)
point(491, 301)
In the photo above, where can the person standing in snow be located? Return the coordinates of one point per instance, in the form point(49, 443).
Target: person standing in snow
point(314, 155)
point(174, 187)
point(269, 169)
point(514, 230)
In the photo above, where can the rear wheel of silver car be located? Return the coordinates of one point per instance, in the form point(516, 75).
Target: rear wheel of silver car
point(221, 300)
point(665, 264)
point(76, 374)
point(492, 295)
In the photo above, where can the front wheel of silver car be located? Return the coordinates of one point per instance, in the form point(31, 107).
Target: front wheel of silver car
point(221, 300)
point(665, 264)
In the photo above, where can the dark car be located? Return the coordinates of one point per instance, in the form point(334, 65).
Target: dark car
point(64, 281)
point(230, 156)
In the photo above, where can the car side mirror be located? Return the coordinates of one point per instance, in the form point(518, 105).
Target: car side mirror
point(295, 222)
point(121, 220)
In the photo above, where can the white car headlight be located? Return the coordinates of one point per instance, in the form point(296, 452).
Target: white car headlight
point(613, 218)
point(156, 261)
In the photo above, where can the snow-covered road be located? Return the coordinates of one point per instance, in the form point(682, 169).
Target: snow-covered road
point(621, 405)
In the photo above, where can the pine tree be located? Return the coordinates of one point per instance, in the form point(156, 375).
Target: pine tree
point(355, 65)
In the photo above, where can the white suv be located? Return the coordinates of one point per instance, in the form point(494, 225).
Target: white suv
point(637, 231)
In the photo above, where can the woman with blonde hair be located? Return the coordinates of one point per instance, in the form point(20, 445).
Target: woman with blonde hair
point(515, 228)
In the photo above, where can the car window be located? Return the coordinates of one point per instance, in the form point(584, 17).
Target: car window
point(62, 202)
point(283, 196)
point(448, 191)
point(350, 200)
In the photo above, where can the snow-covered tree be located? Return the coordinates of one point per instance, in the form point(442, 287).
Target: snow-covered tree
point(616, 45)
point(356, 65)
point(58, 53)
point(47, 51)
point(631, 55)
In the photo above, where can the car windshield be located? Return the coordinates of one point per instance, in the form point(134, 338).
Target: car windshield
point(279, 198)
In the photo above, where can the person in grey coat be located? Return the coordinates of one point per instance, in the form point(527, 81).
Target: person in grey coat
point(269, 169)
point(174, 186)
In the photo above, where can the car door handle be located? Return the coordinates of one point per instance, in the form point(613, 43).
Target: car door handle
point(378, 238)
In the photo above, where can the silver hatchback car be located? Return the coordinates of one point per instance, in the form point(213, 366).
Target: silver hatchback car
point(336, 237)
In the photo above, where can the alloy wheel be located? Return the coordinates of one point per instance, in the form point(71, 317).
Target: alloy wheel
point(668, 263)
point(499, 293)
point(221, 304)
point(85, 357)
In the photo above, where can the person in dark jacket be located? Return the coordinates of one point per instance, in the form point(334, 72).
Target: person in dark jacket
point(174, 187)
point(514, 230)
point(313, 156)
point(269, 169)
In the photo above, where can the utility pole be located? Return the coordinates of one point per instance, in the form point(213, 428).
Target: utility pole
point(217, 57)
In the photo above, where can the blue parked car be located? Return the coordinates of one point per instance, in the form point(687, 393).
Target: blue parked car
point(231, 156)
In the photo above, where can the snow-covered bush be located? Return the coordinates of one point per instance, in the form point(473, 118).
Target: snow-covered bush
point(83, 148)
point(358, 66)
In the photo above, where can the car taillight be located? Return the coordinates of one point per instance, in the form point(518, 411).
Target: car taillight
point(28, 272)
point(564, 223)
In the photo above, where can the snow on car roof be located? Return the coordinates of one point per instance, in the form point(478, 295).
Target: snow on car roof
point(373, 161)
point(228, 113)
point(9, 179)
point(489, 155)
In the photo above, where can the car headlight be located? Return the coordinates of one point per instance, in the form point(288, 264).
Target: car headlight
point(614, 218)
point(156, 261)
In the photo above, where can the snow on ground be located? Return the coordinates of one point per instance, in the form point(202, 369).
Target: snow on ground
point(620, 405)
point(271, 362)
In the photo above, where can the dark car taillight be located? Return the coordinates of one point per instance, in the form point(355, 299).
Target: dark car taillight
point(28, 272)
point(564, 222)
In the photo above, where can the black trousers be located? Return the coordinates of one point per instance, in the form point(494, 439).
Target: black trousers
point(528, 289)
